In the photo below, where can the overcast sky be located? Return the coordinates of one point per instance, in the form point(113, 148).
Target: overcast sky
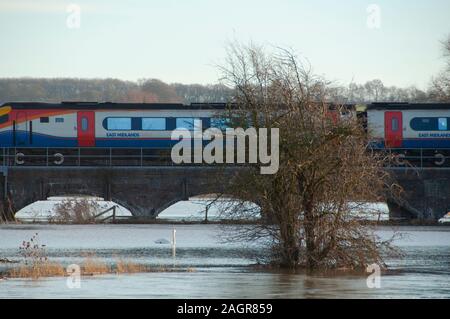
point(396, 41)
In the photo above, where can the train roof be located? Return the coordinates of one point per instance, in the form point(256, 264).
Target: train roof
point(143, 106)
point(132, 106)
point(408, 106)
point(200, 106)
point(116, 106)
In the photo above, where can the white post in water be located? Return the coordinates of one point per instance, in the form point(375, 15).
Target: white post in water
point(174, 242)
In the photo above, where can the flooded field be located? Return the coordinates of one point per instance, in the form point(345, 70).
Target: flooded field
point(220, 270)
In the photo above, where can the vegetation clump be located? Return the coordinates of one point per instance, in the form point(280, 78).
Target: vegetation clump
point(76, 211)
point(35, 264)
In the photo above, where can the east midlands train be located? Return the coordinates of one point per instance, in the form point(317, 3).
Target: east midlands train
point(83, 124)
point(128, 125)
point(409, 126)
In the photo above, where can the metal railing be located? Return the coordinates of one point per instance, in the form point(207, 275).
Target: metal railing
point(107, 157)
point(418, 157)
point(141, 157)
point(112, 216)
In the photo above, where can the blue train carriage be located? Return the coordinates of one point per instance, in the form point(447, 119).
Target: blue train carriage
point(417, 131)
point(86, 124)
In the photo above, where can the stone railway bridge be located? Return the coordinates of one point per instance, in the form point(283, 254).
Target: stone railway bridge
point(147, 191)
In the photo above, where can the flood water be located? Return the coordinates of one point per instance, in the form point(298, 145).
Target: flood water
point(220, 270)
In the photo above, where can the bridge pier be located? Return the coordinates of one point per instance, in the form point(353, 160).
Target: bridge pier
point(3, 195)
point(7, 208)
point(426, 193)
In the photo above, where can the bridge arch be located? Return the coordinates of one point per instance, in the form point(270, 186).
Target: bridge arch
point(145, 191)
point(199, 207)
point(64, 209)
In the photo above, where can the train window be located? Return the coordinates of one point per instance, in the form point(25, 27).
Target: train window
point(429, 124)
point(119, 123)
point(4, 118)
point(394, 124)
point(186, 123)
point(45, 119)
point(442, 123)
point(153, 123)
point(84, 124)
point(59, 120)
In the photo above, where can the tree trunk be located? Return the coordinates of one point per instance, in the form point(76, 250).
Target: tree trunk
point(290, 250)
point(310, 240)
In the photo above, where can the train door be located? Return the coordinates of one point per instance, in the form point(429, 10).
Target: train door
point(393, 129)
point(21, 129)
point(86, 128)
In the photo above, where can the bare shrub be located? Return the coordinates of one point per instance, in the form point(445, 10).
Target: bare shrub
point(32, 251)
point(76, 210)
point(35, 261)
point(304, 210)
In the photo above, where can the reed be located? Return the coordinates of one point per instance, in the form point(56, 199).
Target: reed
point(129, 267)
point(94, 266)
point(36, 271)
point(36, 264)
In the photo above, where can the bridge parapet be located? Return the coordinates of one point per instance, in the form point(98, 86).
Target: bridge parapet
point(143, 157)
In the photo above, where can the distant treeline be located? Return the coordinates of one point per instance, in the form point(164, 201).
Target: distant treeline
point(111, 90)
point(376, 91)
point(156, 91)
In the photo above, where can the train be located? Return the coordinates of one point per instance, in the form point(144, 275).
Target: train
point(409, 125)
point(141, 125)
point(102, 125)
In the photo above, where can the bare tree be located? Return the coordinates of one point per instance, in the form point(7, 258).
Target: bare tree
point(446, 45)
point(163, 91)
point(376, 89)
point(440, 85)
point(325, 172)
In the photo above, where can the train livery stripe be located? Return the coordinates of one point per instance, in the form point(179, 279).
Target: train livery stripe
point(5, 110)
point(44, 140)
point(33, 115)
